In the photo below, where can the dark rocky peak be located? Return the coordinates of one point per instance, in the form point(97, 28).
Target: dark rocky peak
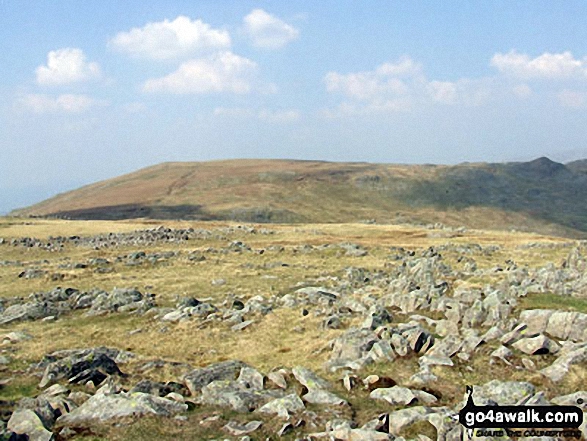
point(542, 167)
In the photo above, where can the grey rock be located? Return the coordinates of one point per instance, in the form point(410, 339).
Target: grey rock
point(309, 379)
point(282, 407)
point(80, 365)
point(575, 399)
point(286, 428)
point(448, 346)
point(503, 393)
point(243, 325)
point(446, 327)
point(332, 322)
point(25, 422)
point(16, 337)
point(537, 345)
point(226, 370)
point(348, 434)
point(27, 311)
point(435, 360)
point(403, 418)
point(101, 408)
point(502, 353)
point(236, 429)
point(353, 345)
point(398, 395)
point(234, 395)
point(251, 378)
point(520, 331)
point(278, 378)
point(568, 356)
point(377, 316)
point(318, 396)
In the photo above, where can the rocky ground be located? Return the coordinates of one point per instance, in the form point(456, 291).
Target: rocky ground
point(349, 332)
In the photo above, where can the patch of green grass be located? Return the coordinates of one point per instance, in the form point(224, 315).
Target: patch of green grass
point(19, 387)
point(553, 301)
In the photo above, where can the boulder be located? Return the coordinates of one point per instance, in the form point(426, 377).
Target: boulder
point(101, 408)
point(234, 395)
point(503, 393)
point(318, 396)
point(309, 379)
point(226, 370)
point(282, 407)
point(28, 425)
point(81, 365)
point(403, 396)
point(537, 345)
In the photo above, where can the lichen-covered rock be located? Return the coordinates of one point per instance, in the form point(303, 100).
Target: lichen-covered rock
point(81, 365)
point(284, 406)
point(101, 408)
point(27, 423)
point(226, 370)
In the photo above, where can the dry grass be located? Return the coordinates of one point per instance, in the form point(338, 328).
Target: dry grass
point(281, 338)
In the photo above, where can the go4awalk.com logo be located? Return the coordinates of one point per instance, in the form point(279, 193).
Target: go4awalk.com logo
point(520, 421)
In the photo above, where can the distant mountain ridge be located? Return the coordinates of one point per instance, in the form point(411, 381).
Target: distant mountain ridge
point(539, 195)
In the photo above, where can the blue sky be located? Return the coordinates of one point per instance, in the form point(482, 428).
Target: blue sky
point(94, 89)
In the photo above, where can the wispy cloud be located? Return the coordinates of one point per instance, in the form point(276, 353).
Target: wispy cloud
point(274, 116)
point(547, 66)
point(66, 103)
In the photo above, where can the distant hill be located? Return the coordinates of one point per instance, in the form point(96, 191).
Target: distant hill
point(540, 195)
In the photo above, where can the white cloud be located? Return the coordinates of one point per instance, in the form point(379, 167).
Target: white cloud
point(279, 116)
point(267, 31)
point(386, 80)
point(522, 90)
point(67, 103)
point(547, 66)
point(134, 107)
point(274, 116)
point(443, 91)
point(65, 66)
point(223, 72)
point(572, 98)
point(400, 87)
point(171, 39)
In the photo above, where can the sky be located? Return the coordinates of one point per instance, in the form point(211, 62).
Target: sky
point(90, 90)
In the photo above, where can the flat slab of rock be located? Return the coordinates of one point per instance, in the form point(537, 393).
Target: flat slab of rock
point(398, 395)
point(242, 325)
point(233, 394)
point(309, 379)
point(318, 396)
point(236, 429)
point(503, 393)
point(101, 408)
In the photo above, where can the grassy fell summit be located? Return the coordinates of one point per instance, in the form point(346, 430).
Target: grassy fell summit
point(539, 195)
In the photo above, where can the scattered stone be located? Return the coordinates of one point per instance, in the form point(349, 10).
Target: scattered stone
point(236, 429)
point(199, 378)
point(282, 407)
point(243, 325)
point(309, 379)
point(318, 396)
point(536, 345)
